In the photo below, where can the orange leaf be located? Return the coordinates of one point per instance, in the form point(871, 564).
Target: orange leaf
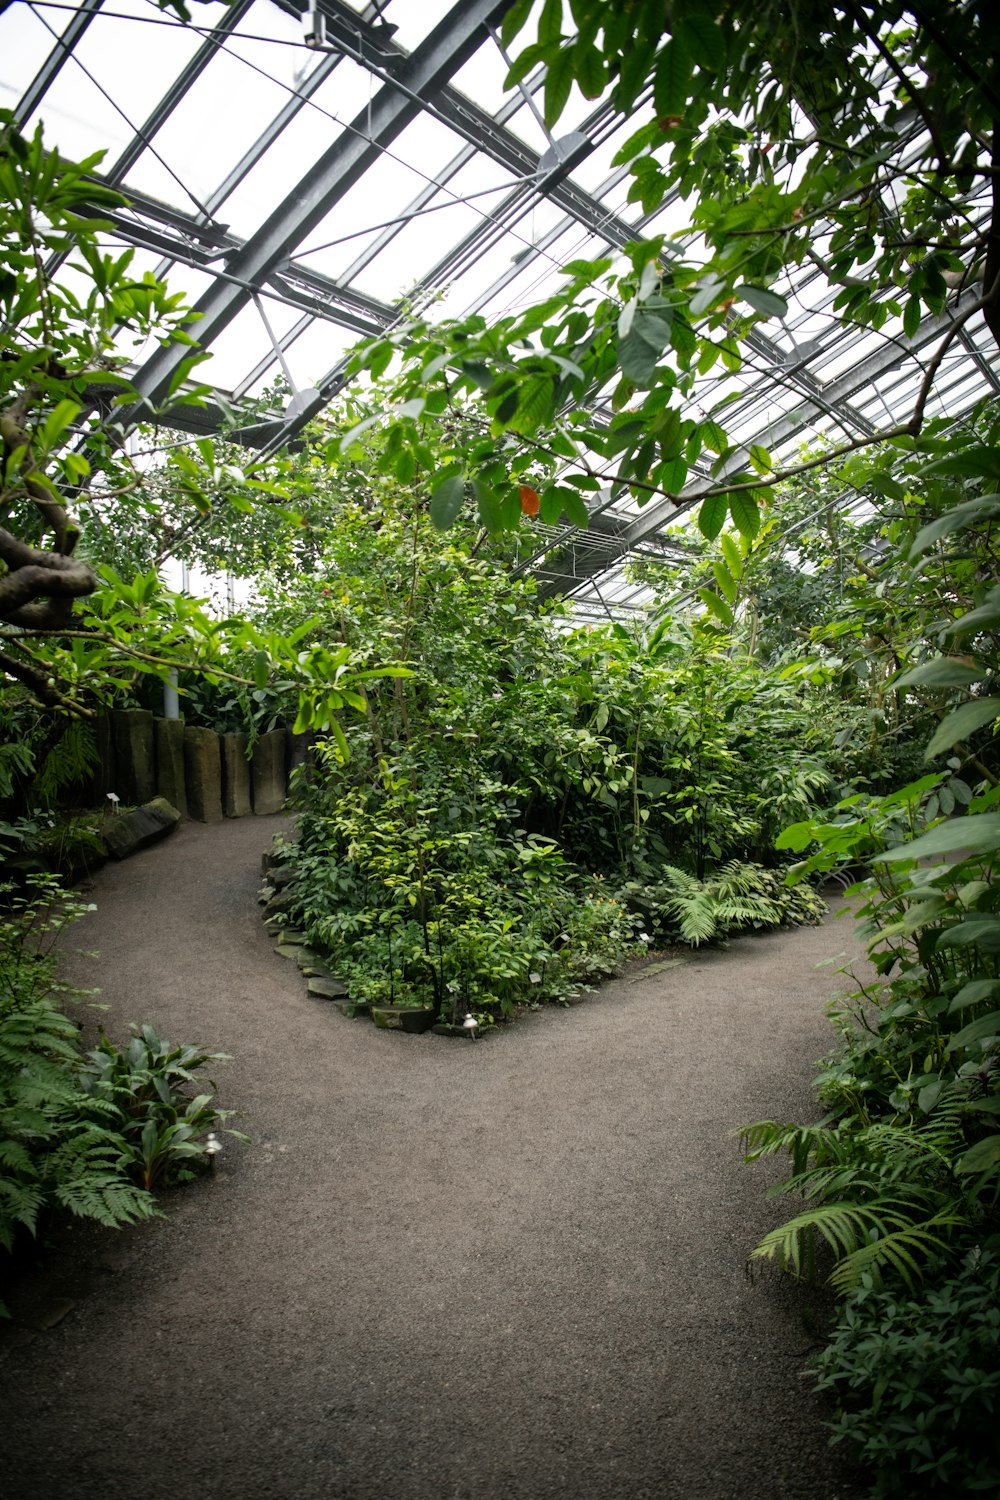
point(530, 500)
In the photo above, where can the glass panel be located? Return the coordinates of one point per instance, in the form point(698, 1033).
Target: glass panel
point(481, 78)
point(101, 95)
point(25, 43)
point(245, 341)
point(414, 22)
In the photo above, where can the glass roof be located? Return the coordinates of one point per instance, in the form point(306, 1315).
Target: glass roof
point(299, 195)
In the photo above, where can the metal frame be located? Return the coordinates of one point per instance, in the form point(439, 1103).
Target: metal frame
point(271, 262)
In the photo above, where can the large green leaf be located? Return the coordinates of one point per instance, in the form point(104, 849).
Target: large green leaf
point(967, 514)
point(975, 1031)
point(717, 605)
point(559, 500)
point(976, 832)
point(712, 516)
point(636, 356)
point(671, 84)
point(982, 1157)
point(962, 722)
point(745, 513)
point(446, 502)
point(725, 580)
point(941, 672)
point(703, 38)
point(731, 553)
point(766, 302)
point(983, 618)
point(974, 462)
point(978, 932)
point(973, 992)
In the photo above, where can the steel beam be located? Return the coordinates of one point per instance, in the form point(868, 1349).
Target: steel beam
point(337, 170)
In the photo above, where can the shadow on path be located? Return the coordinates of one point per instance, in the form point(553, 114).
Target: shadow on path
point(509, 1270)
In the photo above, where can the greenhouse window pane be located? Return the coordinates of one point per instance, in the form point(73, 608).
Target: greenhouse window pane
point(25, 43)
point(100, 96)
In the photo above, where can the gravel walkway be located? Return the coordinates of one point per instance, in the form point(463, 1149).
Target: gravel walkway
point(507, 1270)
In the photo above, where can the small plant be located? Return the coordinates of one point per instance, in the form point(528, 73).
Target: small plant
point(917, 1383)
point(31, 920)
point(143, 1093)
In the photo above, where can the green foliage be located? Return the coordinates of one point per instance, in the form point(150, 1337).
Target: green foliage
point(916, 1379)
point(850, 139)
point(32, 918)
point(92, 1135)
point(143, 1092)
point(738, 897)
point(902, 1177)
point(52, 1152)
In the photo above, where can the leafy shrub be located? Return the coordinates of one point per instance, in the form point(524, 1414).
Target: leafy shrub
point(917, 1383)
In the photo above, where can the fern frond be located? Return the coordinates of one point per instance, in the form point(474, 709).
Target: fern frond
point(903, 1250)
point(107, 1198)
point(844, 1227)
point(71, 760)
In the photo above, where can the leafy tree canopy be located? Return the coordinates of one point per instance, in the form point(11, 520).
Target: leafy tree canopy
point(857, 139)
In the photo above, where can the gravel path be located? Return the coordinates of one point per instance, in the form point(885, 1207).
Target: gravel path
point(507, 1270)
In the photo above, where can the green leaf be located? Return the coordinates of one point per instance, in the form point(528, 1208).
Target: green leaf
point(534, 402)
point(975, 832)
point(717, 605)
point(983, 618)
point(725, 580)
point(973, 992)
point(343, 751)
point(558, 83)
point(636, 356)
point(672, 474)
point(589, 65)
point(731, 553)
point(559, 500)
point(982, 1157)
point(672, 82)
point(745, 513)
point(941, 672)
point(491, 512)
point(766, 302)
point(961, 723)
point(514, 20)
point(550, 22)
point(703, 39)
point(986, 507)
point(712, 516)
point(761, 459)
point(978, 932)
point(261, 669)
point(975, 462)
point(62, 416)
point(446, 502)
point(975, 1031)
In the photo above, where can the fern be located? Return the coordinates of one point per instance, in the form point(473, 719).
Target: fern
point(884, 1197)
point(735, 897)
point(71, 760)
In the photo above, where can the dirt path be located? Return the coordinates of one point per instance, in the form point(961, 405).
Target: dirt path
point(508, 1270)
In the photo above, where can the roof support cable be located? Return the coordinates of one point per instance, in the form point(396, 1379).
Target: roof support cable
point(299, 399)
point(559, 150)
